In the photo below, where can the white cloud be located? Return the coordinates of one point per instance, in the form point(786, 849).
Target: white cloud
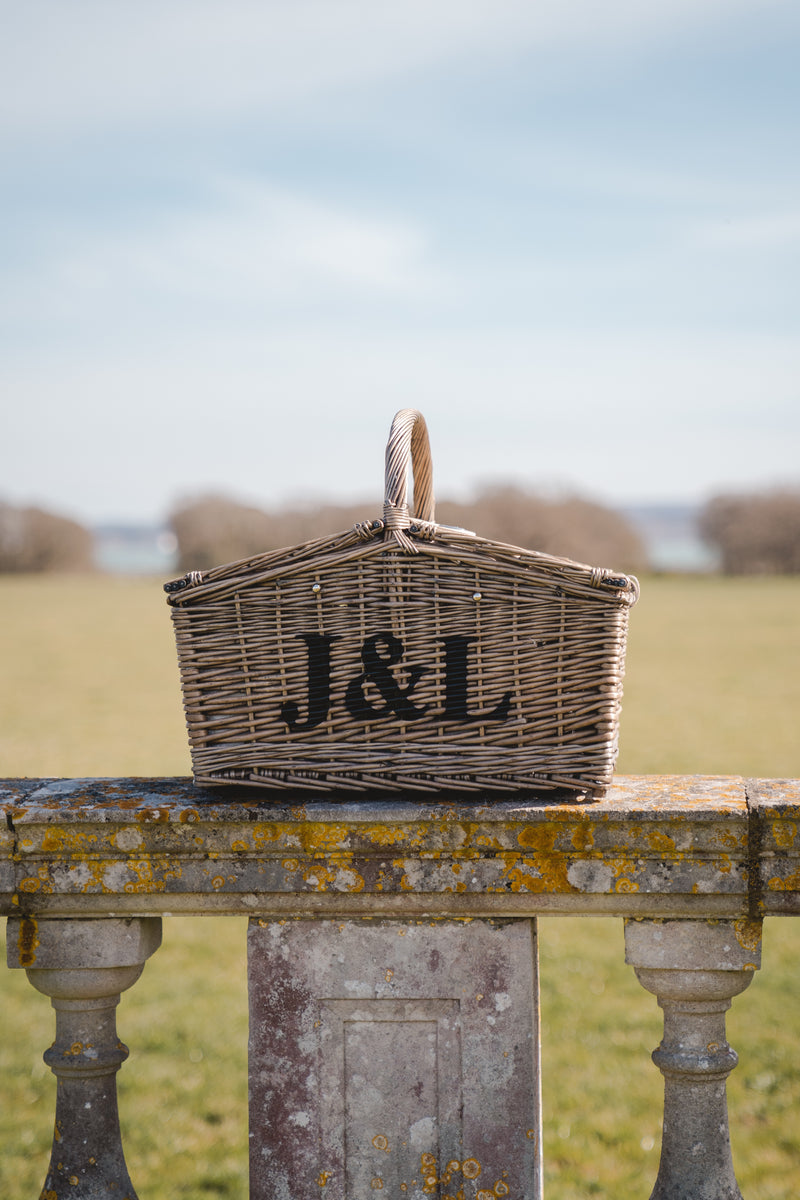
point(249, 246)
point(92, 65)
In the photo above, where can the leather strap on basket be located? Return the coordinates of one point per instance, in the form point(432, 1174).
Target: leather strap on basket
point(408, 446)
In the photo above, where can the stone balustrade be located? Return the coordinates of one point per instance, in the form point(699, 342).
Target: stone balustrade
point(394, 1040)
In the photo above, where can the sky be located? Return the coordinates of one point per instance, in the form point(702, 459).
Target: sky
point(237, 235)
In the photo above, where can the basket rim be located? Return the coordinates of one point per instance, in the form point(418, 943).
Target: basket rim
point(365, 540)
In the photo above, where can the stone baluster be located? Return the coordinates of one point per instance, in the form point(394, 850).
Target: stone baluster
point(84, 965)
point(694, 968)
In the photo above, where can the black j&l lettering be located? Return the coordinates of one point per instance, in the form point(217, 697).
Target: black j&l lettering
point(378, 654)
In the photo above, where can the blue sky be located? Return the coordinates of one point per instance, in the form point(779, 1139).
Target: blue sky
point(236, 237)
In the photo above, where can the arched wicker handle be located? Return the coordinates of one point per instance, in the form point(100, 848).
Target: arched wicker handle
point(408, 446)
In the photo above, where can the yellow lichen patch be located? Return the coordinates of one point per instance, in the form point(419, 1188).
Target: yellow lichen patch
point(727, 839)
point(622, 869)
point(583, 837)
point(27, 941)
point(319, 878)
point(545, 873)
point(376, 1183)
point(146, 878)
point(158, 815)
point(381, 1142)
point(784, 833)
point(264, 833)
point(517, 879)
point(723, 864)
point(150, 875)
point(790, 884)
point(384, 881)
point(240, 847)
point(405, 883)
point(660, 842)
point(429, 1183)
point(94, 876)
point(538, 837)
point(492, 843)
point(323, 1177)
point(349, 880)
point(470, 1168)
point(390, 835)
point(500, 1188)
point(41, 881)
point(465, 855)
point(319, 839)
point(58, 840)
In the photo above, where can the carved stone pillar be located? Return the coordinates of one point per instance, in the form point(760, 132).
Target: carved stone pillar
point(394, 1057)
point(84, 965)
point(694, 968)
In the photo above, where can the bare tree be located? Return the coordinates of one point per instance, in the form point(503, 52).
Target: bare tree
point(571, 527)
point(32, 539)
point(757, 533)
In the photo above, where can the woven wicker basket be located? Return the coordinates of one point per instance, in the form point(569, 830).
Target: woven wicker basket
point(402, 654)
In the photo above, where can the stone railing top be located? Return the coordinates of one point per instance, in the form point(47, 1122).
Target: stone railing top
point(701, 846)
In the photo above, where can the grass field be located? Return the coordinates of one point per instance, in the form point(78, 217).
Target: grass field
point(90, 687)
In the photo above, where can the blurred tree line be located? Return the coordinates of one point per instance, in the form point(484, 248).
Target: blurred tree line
point(32, 539)
point(215, 529)
point(755, 534)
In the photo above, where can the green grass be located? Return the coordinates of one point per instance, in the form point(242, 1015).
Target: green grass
point(90, 681)
point(90, 687)
point(712, 682)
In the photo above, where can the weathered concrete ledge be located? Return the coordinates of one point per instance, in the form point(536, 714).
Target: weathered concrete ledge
point(677, 846)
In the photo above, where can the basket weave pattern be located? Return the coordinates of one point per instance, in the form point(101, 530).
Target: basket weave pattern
point(401, 654)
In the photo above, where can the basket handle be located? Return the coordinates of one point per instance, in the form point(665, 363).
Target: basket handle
point(408, 445)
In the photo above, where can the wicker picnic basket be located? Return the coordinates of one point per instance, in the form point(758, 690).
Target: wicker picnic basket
point(401, 654)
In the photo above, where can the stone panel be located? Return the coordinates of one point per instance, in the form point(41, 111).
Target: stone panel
point(393, 1057)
